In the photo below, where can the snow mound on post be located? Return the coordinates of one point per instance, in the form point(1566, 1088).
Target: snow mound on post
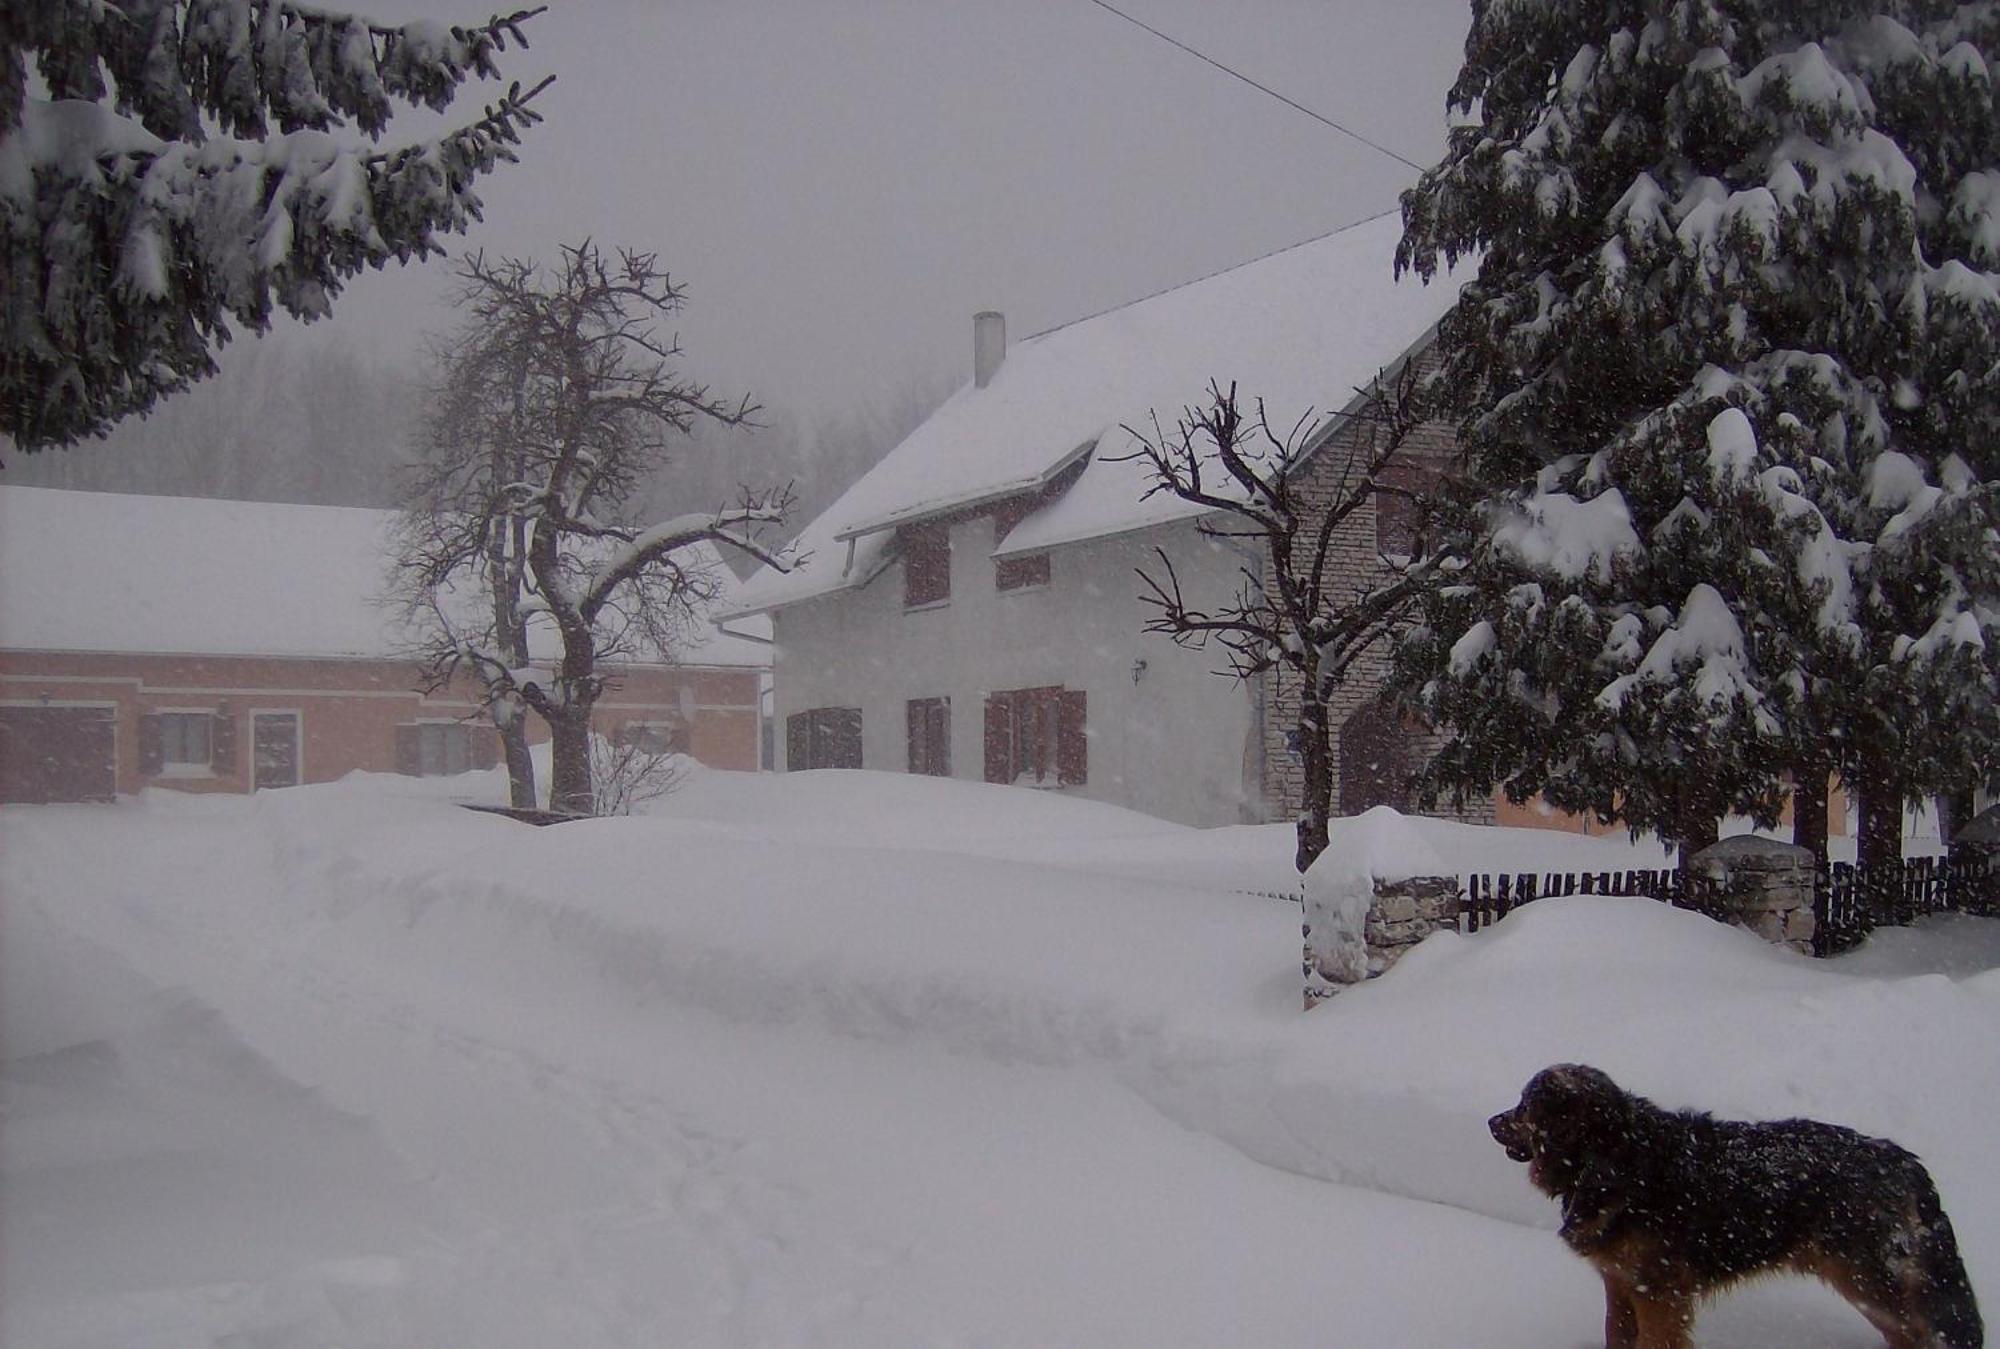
point(1377, 845)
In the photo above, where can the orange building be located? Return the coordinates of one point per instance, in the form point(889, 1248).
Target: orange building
point(230, 646)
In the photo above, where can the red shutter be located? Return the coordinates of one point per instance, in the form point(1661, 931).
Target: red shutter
point(152, 754)
point(409, 751)
point(1072, 741)
point(485, 746)
point(222, 743)
point(846, 735)
point(999, 738)
point(926, 563)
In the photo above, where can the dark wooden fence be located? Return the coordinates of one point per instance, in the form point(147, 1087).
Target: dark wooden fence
point(1489, 897)
point(1848, 903)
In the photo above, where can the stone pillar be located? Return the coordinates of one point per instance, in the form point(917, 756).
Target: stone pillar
point(1353, 934)
point(1763, 885)
point(1404, 913)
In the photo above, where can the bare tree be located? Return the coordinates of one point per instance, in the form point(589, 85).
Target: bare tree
point(556, 398)
point(1298, 613)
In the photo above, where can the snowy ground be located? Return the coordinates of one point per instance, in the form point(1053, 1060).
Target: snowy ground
point(857, 1059)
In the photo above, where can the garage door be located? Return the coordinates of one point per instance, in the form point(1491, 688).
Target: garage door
point(58, 754)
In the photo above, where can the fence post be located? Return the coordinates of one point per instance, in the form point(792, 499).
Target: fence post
point(1762, 885)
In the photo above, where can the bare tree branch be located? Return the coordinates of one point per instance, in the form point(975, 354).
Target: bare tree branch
point(1288, 615)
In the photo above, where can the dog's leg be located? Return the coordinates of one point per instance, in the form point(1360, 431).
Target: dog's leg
point(1666, 1320)
point(1621, 1320)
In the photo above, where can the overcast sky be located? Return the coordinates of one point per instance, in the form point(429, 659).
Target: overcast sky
point(840, 184)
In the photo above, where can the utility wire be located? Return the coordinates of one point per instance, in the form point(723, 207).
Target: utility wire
point(1262, 88)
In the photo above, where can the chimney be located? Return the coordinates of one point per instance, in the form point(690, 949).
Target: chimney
point(989, 345)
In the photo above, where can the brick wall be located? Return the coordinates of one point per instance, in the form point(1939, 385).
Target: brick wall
point(1354, 561)
point(349, 709)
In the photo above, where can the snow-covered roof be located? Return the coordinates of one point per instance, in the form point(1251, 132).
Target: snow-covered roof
point(104, 571)
point(1301, 328)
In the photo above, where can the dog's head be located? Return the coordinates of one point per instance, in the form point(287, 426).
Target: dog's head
point(1569, 1117)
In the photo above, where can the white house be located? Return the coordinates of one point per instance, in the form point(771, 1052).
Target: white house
point(970, 607)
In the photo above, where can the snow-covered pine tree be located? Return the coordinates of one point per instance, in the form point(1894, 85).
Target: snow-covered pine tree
point(1729, 380)
point(173, 165)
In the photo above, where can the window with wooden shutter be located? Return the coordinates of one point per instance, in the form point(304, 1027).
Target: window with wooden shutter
point(798, 742)
point(926, 564)
point(222, 743)
point(1405, 485)
point(930, 736)
point(1029, 569)
point(999, 738)
point(408, 751)
point(823, 737)
point(1072, 739)
point(1037, 737)
point(486, 748)
point(844, 737)
point(152, 749)
point(183, 743)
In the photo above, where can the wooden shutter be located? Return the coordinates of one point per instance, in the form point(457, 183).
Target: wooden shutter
point(845, 733)
point(798, 742)
point(152, 753)
point(485, 746)
point(409, 750)
point(999, 738)
point(926, 563)
point(1072, 741)
point(222, 743)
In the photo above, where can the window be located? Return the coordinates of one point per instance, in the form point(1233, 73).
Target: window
point(184, 739)
point(186, 743)
point(1016, 573)
point(930, 736)
point(1407, 485)
point(824, 737)
point(432, 749)
point(444, 748)
point(654, 737)
point(1037, 737)
point(926, 564)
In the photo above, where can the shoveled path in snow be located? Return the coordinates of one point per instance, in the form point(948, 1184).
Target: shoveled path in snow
point(263, 1121)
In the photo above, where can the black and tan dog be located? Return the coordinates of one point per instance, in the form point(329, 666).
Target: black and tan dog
point(1673, 1207)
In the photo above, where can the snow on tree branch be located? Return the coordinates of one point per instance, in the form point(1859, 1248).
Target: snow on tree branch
point(131, 237)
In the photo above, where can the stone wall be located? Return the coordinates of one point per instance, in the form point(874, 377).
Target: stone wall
point(1760, 884)
point(1404, 913)
point(1400, 914)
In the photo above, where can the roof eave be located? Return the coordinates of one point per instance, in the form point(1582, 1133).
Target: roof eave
point(967, 501)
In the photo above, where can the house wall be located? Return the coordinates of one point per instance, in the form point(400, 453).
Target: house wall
point(349, 709)
point(1173, 742)
point(1354, 554)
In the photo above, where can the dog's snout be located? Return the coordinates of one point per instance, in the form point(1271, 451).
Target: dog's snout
point(1509, 1130)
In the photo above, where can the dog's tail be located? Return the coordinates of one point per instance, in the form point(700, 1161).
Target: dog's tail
point(1944, 1293)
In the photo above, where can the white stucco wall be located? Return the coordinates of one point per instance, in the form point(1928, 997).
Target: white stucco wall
point(1171, 743)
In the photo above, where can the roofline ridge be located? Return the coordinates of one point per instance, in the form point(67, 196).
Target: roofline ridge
point(1220, 271)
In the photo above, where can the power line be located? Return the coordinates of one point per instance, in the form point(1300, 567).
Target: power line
point(1262, 88)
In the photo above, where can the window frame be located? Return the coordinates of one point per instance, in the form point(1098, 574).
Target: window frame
point(448, 732)
point(166, 718)
point(1038, 737)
